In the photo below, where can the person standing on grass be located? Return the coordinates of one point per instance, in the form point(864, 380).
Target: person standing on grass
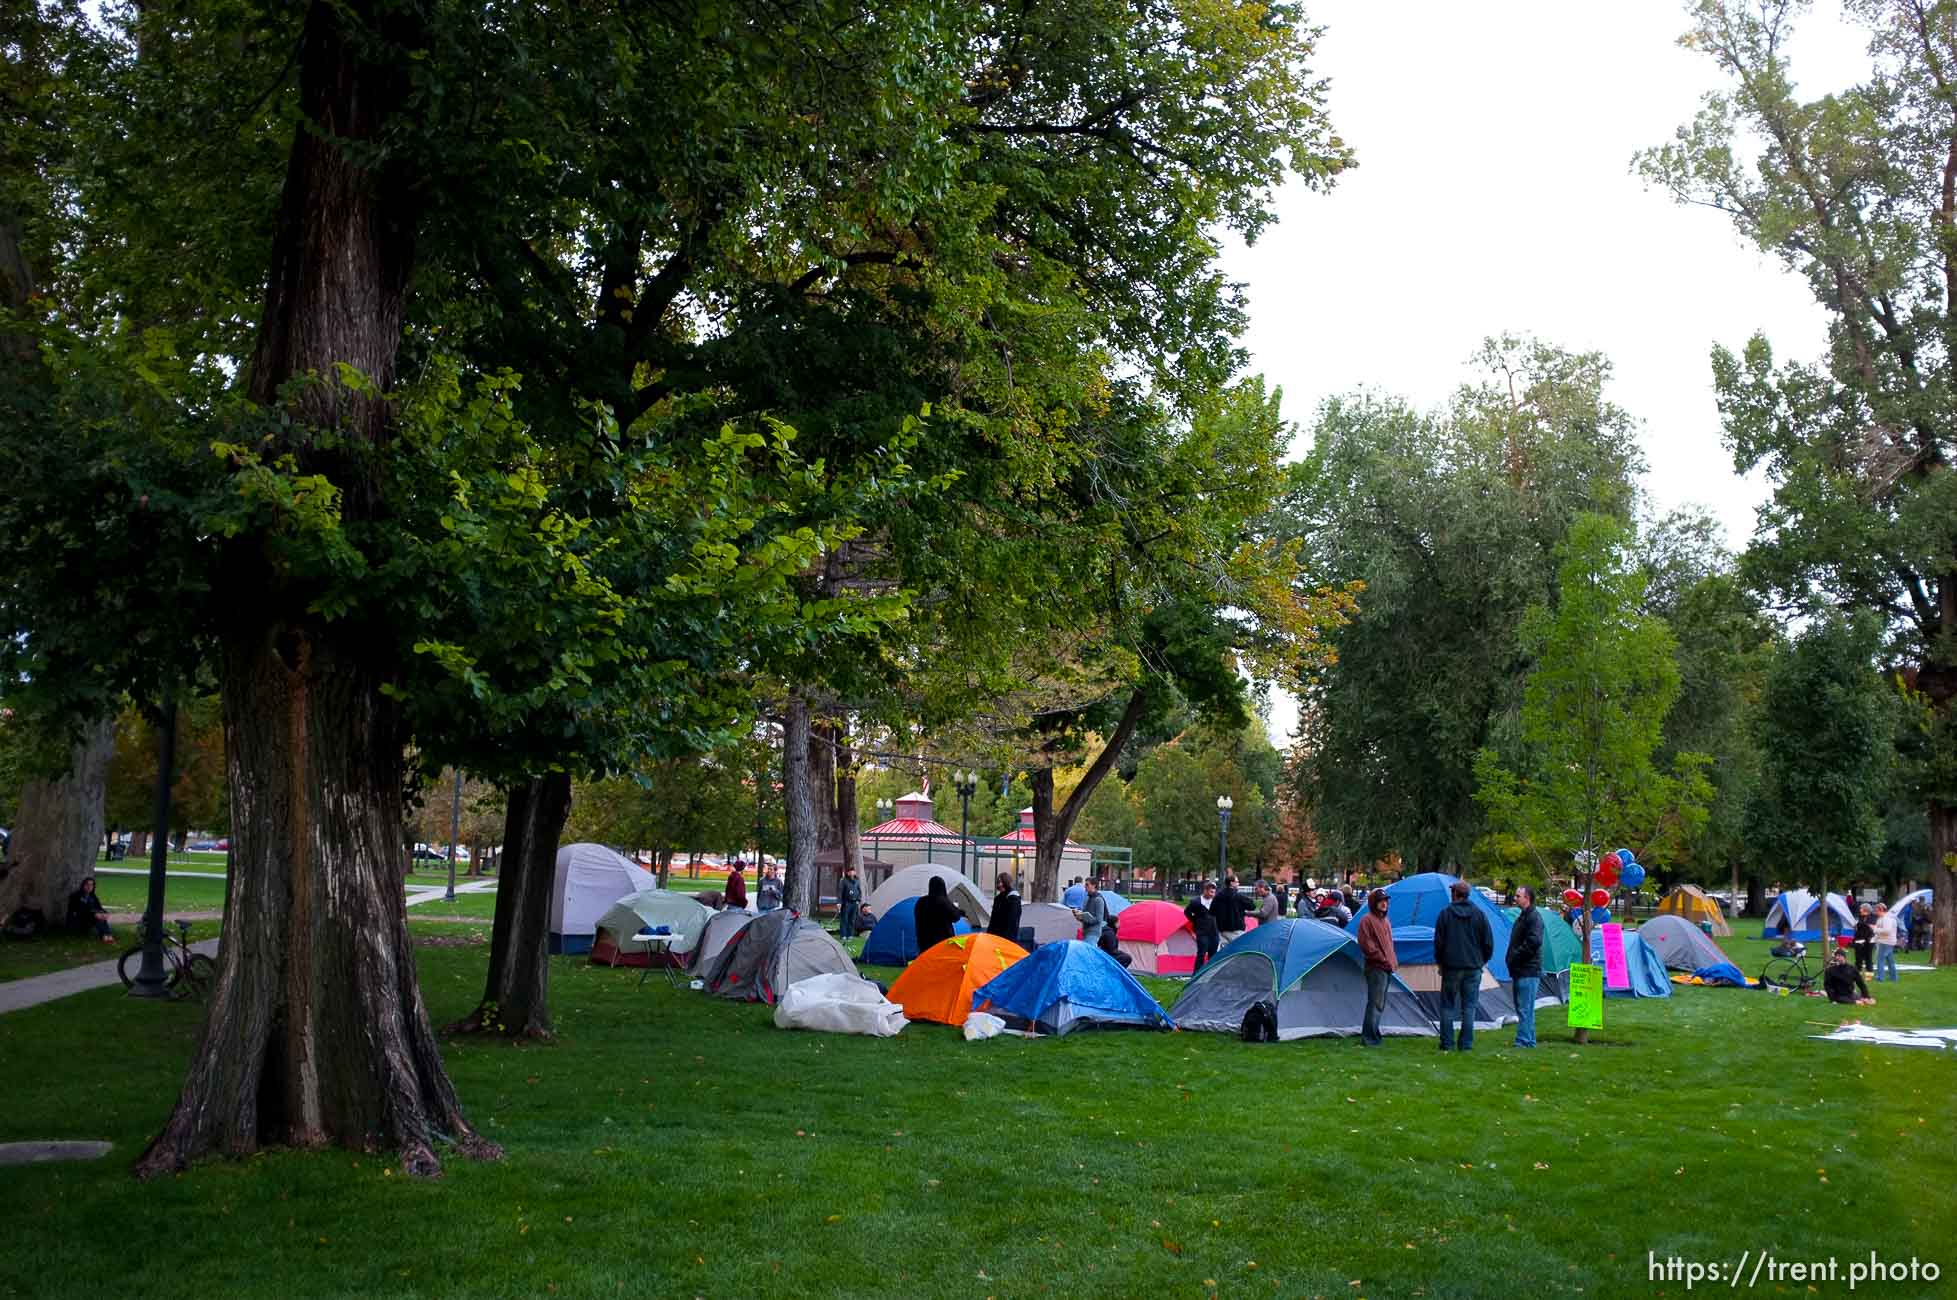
point(767, 894)
point(849, 901)
point(935, 917)
point(85, 911)
point(1092, 914)
point(1865, 941)
point(1005, 910)
point(1525, 964)
point(735, 895)
point(1201, 912)
point(1267, 905)
point(1885, 944)
point(1227, 907)
point(1376, 945)
point(1463, 944)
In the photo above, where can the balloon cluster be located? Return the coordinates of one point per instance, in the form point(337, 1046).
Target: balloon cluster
point(1613, 869)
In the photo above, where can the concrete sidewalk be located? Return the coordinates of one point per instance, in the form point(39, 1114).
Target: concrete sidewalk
point(18, 994)
point(31, 992)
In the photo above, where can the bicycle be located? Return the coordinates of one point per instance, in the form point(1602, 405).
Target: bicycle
point(187, 974)
point(1789, 973)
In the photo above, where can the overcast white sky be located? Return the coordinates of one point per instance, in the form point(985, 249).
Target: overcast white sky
point(1494, 193)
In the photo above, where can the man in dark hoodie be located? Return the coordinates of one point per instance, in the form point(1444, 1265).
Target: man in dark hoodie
point(1376, 945)
point(1228, 908)
point(935, 916)
point(1201, 912)
point(1525, 964)
point(1463, 943)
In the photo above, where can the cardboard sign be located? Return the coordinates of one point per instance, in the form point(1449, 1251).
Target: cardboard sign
point(1617, 971)
point(1586, 996)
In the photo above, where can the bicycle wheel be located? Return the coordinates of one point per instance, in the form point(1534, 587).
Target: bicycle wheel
point(130, 963)
point(198, 978)
point(1783, 973)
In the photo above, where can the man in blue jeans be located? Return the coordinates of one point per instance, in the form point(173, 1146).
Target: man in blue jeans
point(1525, 964)
point(1463, 944)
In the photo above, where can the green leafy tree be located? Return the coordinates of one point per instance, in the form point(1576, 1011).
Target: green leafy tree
point(1852, 192)
point(1592, 719)
point(1451, 520)
point(1827, 744)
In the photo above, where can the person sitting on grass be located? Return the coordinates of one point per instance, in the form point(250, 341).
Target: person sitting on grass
point(85, 910)
point(1786, 947)
point(1843, 983)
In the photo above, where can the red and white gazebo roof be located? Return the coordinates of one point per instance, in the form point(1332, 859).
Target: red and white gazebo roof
point(914, 818)
point(1024, 835)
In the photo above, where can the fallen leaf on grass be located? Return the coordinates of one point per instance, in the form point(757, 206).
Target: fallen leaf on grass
point(1172, 1247)
point(1541, 1165)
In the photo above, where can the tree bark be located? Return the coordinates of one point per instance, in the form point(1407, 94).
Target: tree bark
point(316, 1032)
point(823, 736)
point(58, 830)
point(846, 820)
point(1943, 883)
point(516, 994)
point(799, 796)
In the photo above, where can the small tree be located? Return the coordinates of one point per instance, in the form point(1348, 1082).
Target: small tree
point(1827, 744)
point(1593, 714)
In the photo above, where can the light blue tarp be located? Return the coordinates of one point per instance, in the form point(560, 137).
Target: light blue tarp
point(1069, 985)
point(894, 940)
point(1413, 903)
point(1076, 895)
point(1649, 979)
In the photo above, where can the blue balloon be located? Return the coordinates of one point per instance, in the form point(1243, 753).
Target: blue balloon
point(1624, 855)
point(1600, 914)
point(1632, 875)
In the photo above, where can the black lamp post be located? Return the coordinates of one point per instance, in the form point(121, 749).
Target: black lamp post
point(967, 785)
point(150, 979)
point(454, 830)
point(1223, 806)
point(884, 809)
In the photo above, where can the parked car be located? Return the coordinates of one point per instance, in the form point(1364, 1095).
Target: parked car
point(428, 853)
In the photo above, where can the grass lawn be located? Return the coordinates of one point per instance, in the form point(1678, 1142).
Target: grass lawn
point(676, 1145)
point(20, 958)
point(180, 893)
point(186, 861)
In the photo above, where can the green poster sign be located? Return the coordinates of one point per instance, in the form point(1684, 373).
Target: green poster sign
point(1586, 997)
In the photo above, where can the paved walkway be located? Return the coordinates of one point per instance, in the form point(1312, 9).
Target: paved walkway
point(167, 871)
point(31, 992)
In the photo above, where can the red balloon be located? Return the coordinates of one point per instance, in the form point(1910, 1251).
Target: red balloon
point(1842, 941)
point(1574, 897)
point(1610, 862)
point(1607, 876)
point(1600, 898)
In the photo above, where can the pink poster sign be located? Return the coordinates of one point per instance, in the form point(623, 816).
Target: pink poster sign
point(1617, 972)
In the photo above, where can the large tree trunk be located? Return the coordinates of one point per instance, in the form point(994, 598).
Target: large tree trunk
point(823, 737)
point(799, 795)
point(846, 822)
point(58, 831)
point(316, 1032)
point(1052, 826)
point(1943, 881)
point(516, 995)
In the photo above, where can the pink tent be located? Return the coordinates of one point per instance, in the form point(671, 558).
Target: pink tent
point(1158, 937)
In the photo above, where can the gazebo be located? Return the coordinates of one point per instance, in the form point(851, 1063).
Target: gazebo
point(1014, 852)
point(910, 837)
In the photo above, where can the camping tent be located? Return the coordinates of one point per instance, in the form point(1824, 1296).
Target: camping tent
point(590, 878)
point(1695, 905)
point(1802, 912)
point(1157, 936)
point(1413, 945)
point(1905, 918)
point(1560, 948)
point(718, 932)
point(772, 952)
point(1049, 922)
point(912, 882)
point(894, 940)
point(1416, 900)
point(1311, 969)
point(648, 910)
point(1076, 896)
point(1061, 987)
point(1645, 972)
point(939, 984)
point(1681, 945)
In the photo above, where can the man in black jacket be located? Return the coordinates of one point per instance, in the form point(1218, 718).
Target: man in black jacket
point(1228, 908)
point(849, 902)
point(934, 916)
point(1005, 910)
point(1525, 964)
point(1463, 944)
point(1202, 919)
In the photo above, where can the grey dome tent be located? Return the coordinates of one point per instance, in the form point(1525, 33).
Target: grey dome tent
point(1680, 944)
point(770, 953)
point(1311, 969)
point(720, 929)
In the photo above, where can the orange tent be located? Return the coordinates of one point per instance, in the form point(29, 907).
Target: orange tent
point(938, 985)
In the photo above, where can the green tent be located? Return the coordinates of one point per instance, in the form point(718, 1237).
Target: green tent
point(1560, 947)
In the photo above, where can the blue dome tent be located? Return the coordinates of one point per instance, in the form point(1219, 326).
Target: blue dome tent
point(1311, 969)
point(1068, 985)
point(893, 942)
